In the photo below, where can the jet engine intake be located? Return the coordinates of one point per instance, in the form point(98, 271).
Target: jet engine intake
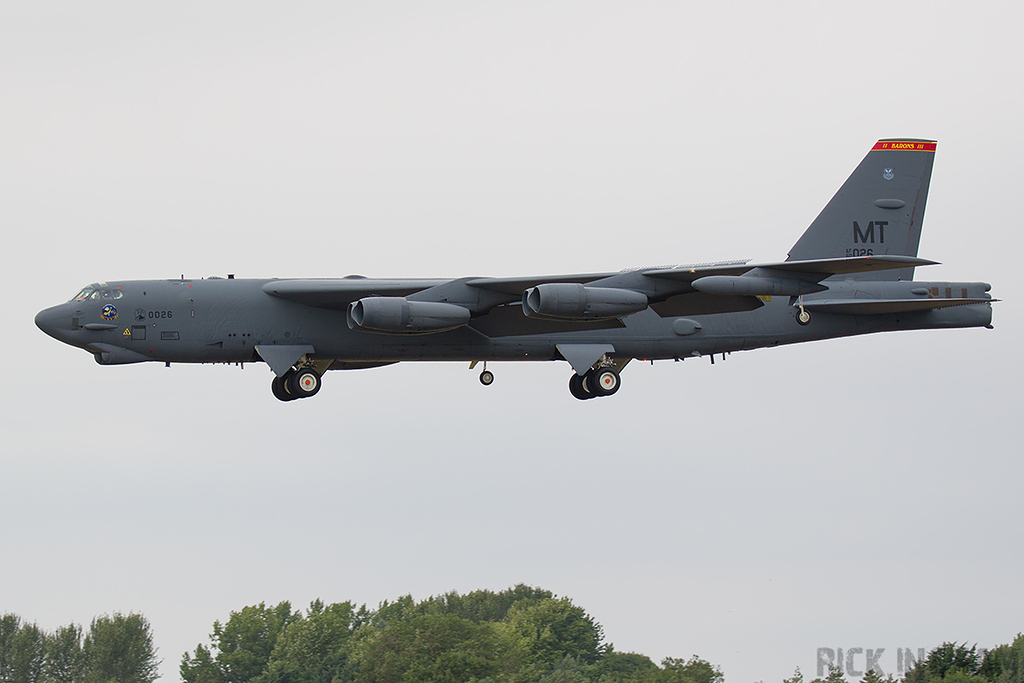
point(571, 301)
point(398, 315)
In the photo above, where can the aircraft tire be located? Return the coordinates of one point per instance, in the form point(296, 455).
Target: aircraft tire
point(277, 386)
point(487, 378)
point(303, 383)
point(803, 317)
point(578, 389)
point(604, 381)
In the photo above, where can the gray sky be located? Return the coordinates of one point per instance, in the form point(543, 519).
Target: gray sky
point(852, 493)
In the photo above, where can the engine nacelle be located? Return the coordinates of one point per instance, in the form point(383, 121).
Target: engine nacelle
point(571, 301)
point(398, 315)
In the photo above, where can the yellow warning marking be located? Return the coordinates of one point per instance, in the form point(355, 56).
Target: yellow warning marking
point(127, 332)
point(764, 298)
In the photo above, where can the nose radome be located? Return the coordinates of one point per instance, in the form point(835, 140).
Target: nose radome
point(54, 319)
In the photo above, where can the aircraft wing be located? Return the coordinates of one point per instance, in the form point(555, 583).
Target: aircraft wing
point(338, 293)
point(681, 290)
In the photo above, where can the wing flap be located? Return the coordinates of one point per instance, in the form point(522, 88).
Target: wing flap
point(882, 306)
point(339, 293)
point(515, 286)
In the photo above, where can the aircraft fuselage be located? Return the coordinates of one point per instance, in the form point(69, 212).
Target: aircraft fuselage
point(224, 321)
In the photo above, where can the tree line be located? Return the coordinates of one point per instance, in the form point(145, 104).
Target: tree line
point(519, 635)
point(116, 647)
point(948, 663)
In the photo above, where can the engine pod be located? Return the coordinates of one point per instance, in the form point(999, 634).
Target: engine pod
point(573, 301)
point(398, 315)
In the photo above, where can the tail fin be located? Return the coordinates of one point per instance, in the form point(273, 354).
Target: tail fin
point(878, 210)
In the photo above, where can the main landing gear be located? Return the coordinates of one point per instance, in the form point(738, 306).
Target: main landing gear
point(296, 383)
point(595, 383)
point(600, 381)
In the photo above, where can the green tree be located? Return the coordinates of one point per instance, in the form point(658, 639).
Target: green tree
point(314, 649)
point(200, 667)
point(22, 651)
point(388, 612)
point(950, 656)
point(10, 624)
point(1005, 664)
point(483, 605)
point(694, 670)
point(65, 661)
point(437, 648)
point(241, 647)
point(942, 662)
point(835, 675)
point(120, 648)
point(556, 628)
point(625, 667)
point(797, 677)
point(872, 676)
point(567, 670)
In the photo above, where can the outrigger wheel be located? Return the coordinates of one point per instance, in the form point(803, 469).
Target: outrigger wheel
point(803, 316)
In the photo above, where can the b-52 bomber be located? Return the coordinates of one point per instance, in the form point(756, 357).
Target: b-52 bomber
point(850, 273)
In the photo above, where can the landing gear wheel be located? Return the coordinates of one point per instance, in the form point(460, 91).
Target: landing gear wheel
point(487, 378)
point(803, 316)
point(579, 388)
point(604, 381)
point(303, 383)
point(277, 386)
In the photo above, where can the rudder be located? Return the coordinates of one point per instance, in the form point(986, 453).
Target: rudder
point(879, 210)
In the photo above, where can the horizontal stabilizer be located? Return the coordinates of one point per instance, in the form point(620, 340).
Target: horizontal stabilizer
point(881, 306)
point(846, 266)
point(816, 269)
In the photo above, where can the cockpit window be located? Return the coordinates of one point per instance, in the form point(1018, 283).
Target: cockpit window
point(96, 293)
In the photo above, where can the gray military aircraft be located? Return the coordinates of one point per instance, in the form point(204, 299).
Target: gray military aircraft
point(850, 273)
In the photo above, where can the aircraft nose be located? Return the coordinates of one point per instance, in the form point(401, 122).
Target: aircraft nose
point(55, 320)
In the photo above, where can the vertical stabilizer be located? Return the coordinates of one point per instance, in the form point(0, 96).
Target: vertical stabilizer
point(878, 210)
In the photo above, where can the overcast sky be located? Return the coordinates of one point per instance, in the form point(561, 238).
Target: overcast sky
point(853, 493)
